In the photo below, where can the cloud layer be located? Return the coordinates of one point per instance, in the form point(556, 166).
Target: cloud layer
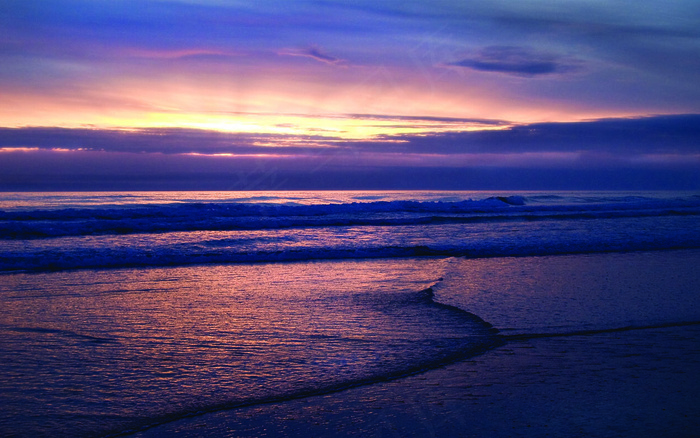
point(628, 153)
point(678, 134)
point(379, 91)
point(517, 61)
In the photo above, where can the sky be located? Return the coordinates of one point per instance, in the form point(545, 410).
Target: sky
point(362, 94)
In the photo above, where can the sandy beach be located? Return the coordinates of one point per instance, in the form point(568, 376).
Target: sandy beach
point(552, 380)
point(639, 383)
point(601, 345)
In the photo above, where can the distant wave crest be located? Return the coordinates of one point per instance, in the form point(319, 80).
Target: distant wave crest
point(38, 224)
point(238, 232)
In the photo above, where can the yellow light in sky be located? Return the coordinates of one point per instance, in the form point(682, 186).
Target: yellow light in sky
point(273, 105)
point(326, 127)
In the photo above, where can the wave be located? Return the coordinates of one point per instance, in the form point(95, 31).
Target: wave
point(110, 258)
point(529, 336)
point(192, 216)
point(480, 338)
point(192, 233)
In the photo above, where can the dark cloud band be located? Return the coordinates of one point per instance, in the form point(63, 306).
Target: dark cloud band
point(517, 61)
point(673, 134)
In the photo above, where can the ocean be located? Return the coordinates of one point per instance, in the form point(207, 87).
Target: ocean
point(120, 312)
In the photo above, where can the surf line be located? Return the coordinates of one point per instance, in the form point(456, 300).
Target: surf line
point(490, 341)
point(429, 295)
point(528, 336)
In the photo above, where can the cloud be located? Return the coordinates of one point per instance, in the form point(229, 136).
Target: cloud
point(486, 122)
point(649, 152)
point(518, 61)
point(153, 140)
point(666, 135)
point(178, 53)
point(672, 134)
point(323, 57)
point(47, 170)
point(314, 53)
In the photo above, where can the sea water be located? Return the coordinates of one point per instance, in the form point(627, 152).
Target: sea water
point(122, 311)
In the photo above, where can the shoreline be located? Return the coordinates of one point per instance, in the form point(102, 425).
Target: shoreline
point(635, 383)
point(590, 350)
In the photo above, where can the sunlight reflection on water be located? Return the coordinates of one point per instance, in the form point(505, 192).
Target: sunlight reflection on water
point(106, 348)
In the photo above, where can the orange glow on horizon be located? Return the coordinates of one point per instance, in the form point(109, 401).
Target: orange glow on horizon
point(286, 107)
point(232, 155)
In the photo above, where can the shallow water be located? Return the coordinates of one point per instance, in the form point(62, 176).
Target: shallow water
point(573, 293)
point(546, 379)
point(92, 352)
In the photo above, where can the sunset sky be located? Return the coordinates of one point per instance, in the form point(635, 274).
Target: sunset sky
point(239, 94)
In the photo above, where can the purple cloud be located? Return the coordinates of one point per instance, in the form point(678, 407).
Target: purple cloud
point(672, 134)
point(314, 53)
point(517, 61)
point(642, 153)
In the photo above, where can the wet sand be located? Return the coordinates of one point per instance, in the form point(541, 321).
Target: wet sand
point(643, 382)
point(640, 383)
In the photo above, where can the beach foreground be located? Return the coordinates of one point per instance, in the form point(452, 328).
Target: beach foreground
point(252, 314)
point(622, 378)
point(638, 383)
